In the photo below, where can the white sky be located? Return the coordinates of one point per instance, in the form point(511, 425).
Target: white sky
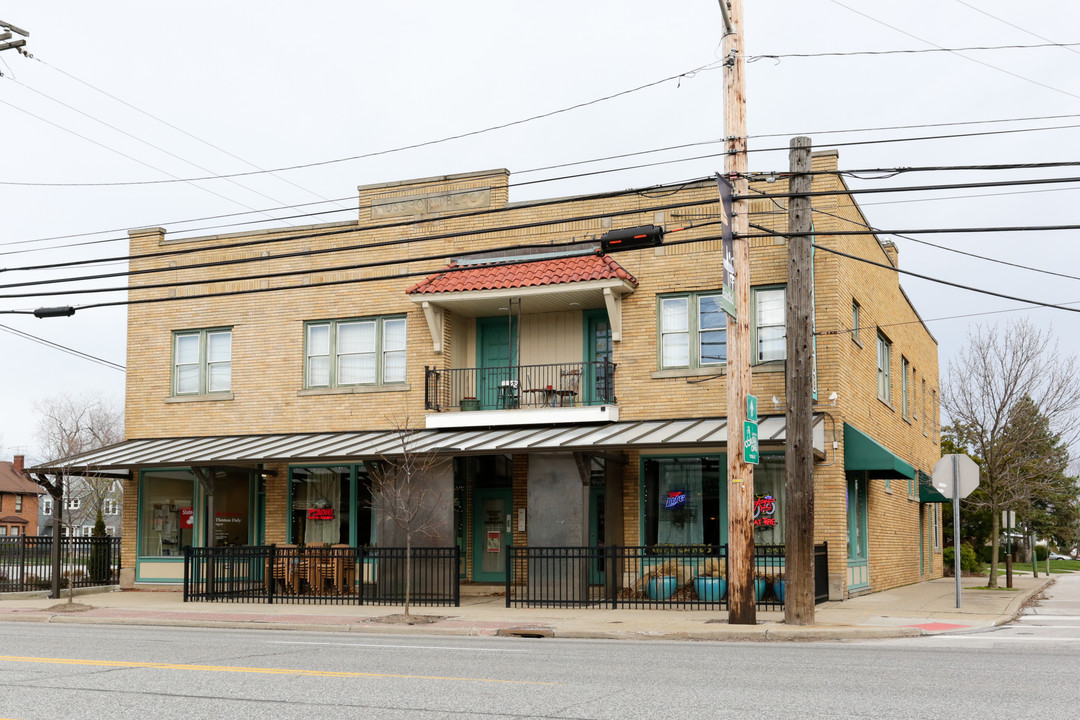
point(280, 84)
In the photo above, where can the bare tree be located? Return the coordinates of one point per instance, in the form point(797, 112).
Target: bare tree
point(402, 492)
point(69, 425)
point(1002, 394)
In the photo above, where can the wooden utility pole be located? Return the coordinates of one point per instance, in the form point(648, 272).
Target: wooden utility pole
point(742, 603)
point(799, 459)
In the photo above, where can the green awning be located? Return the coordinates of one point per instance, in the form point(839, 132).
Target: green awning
point(927, 492)
point(862, 452)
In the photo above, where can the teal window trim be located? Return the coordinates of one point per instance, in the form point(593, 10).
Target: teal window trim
point(757, 324)
point(204, 365)
point(695, 334)
point(381, 351)
point(884, 374)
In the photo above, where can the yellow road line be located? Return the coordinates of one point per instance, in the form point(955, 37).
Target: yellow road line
point(262, 671)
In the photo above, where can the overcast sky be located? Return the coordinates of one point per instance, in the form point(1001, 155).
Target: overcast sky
point(224, 87)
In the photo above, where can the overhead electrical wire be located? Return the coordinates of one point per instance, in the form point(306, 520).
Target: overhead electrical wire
point(1064, 46)
point(969, 59)
point(412, 146)
point(63, 348)
point(917, 51)
point(286, 236)
point(411, 222)
point(127, 156)
point(178, 129)
point(150, 145)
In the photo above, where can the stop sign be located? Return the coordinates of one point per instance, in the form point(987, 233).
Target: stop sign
point(966, 471)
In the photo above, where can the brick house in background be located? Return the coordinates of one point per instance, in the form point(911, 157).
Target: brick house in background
point(570, 390)
point(18, 500)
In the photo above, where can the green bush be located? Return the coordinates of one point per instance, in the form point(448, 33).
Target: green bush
point(1041, 551)
point(969, 561)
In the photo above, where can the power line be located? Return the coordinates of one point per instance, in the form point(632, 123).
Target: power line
point(178, 129)
point(1065, 46)
point(148, 144)
point(502, 126)
point(326, 283)
point(411, 222)
point(969, 59)
point(920, 51)
point(63, 348)
point(125, 155)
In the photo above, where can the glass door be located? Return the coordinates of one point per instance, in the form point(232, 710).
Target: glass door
point(598, 387)
point(496, 340)
point(858, 565)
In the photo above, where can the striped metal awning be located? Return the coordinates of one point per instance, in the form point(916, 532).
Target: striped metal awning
point(252, 450)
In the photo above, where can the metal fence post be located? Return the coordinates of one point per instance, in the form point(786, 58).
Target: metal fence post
point(187, 572)
point(271, 560)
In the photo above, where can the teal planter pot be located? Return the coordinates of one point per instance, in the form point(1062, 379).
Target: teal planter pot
point(710, 589)
point(661, 588)
point(759, 588)
point(470, 404)
point(778, 588)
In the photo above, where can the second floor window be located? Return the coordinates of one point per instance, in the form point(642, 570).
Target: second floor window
point(202, 362)
point(74, 503)
point(884, 381)
point(341, 353)
point(770, 316)
point(18, 503)
point(46, 507)
point(693, 331)
point(109, 506)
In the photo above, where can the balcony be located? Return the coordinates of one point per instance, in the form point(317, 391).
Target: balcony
point(521, 394)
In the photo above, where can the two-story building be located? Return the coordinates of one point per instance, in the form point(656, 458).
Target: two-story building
point(569, 384)
point(18, 499)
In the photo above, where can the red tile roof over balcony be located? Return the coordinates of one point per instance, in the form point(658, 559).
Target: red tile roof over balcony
point(502, 276)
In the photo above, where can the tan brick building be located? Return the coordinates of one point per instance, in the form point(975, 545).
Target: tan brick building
point(569, 390)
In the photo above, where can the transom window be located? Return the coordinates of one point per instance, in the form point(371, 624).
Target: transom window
point(202, 362)
point(693, 331)
point(340, 353)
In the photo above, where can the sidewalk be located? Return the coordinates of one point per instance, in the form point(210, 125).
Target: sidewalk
point(920, 609)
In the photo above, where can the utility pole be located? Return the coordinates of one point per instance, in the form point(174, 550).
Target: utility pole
point(742, 603)
point(799, 459)
point(6, 30)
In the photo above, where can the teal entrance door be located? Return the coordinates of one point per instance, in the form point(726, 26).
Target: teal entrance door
point(491, 509)
point(598, 386)
point(496, 376)
point(858, 564)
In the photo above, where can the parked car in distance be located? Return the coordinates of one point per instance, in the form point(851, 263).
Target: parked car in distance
point(1059, 556)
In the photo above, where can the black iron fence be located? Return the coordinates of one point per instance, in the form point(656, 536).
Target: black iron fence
point(693, 576)
point(322, 575)
point(26, 562)
point(520, 386)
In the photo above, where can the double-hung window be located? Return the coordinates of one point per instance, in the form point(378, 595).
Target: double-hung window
point(884, 381)
point(343, 353)
point(110, 506)
point(46, 506)
point(693, 331)
point(202, 361)
point(770, 332)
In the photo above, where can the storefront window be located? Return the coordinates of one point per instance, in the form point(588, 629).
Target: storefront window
point(166, 512)
point(324, 509)
point(231, 508)
point(769, 480)
point(682, 500)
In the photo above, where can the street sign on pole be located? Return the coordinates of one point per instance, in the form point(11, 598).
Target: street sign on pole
point(751, 408)
point(750, 442)
point(727, 286)
point(959, 476)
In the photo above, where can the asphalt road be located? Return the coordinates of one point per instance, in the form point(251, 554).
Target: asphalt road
point(1031, 669)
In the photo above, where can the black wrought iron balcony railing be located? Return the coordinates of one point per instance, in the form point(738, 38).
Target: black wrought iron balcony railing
point(520, 386)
